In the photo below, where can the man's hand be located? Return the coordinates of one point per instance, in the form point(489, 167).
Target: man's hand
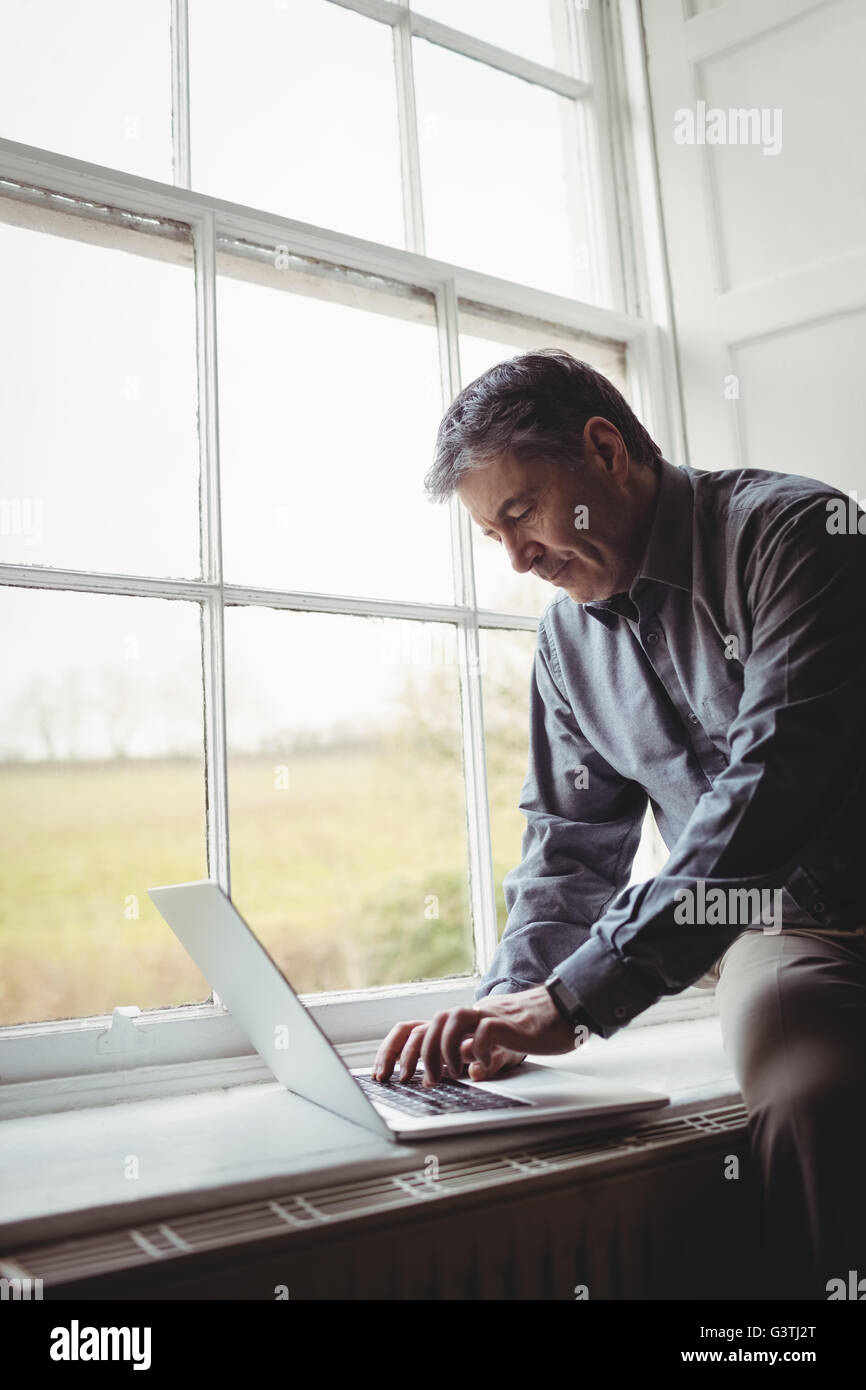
point(495, 1033)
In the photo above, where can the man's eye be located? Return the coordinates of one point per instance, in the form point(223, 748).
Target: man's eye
point(491, 536)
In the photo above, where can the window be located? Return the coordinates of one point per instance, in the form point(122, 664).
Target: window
point(246, 645)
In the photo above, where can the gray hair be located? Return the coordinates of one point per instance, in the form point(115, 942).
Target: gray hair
point(531, 406)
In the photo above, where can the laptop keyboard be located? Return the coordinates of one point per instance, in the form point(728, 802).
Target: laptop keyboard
point(446, 1098)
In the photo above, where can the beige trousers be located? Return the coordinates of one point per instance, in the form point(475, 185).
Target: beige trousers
point(792, 1008)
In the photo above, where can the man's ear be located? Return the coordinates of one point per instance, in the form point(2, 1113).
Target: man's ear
point(604, 440)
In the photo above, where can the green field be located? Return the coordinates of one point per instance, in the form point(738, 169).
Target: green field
point(335, 872)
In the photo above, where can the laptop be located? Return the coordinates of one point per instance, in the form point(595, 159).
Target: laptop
point(301, 1057)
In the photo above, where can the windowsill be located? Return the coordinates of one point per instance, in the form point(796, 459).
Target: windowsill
point(64, 1173)
point(81, 1054)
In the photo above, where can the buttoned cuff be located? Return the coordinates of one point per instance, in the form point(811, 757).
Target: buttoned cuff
point(612, 990)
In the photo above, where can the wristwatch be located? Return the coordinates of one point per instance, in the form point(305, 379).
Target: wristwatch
point(567, 1003)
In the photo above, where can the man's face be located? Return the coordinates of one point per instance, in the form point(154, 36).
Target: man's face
point(592, 553)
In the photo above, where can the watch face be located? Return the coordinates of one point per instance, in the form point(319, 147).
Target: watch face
point(563, 992)
point(559, 994)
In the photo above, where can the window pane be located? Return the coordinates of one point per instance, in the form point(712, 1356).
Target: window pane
point(294, 110)
point(101, 786)
point(507, 675)
point(537, 30)
point(99, 462)
point(91, 80)
point(348, 817)
point(485, 340)
point(328, 417)
point(504, 174)
point(505, 683)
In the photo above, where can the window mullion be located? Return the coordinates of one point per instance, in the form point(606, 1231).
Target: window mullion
point(481, 881)
point(213, 627)
point(538, 74)
point(180, 143)
point(612, 228)
point(410, 158)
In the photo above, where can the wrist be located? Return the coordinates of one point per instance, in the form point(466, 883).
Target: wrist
point(567, 1004)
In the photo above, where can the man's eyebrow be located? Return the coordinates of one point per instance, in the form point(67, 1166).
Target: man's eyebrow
point(509, 502)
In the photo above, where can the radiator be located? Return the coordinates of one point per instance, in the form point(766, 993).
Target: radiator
point(653, 1213)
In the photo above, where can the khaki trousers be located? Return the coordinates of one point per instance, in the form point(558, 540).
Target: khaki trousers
point(792, 1007)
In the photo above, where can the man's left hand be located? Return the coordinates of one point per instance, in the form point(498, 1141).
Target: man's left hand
point(498, 1025)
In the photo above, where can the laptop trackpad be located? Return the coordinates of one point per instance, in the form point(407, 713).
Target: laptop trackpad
point(543, 1085)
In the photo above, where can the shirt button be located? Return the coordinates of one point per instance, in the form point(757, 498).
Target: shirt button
point(818, 908)
point(693, 719)
point(652, 637)
point(620, 1011)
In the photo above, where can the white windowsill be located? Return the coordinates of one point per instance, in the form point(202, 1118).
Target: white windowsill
point(70, 1053)
point(243, 1137)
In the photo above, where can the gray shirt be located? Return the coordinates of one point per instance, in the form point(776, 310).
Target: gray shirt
point(727, 689)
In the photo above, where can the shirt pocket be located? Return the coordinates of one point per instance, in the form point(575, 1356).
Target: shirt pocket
point(719, 710)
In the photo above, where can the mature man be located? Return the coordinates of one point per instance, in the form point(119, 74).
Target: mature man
point(706, 655)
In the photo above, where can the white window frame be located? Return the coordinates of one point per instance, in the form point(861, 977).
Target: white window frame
point(636, 268)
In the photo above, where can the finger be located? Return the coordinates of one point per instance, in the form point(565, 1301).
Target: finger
point(458, 1030)
point(431, 1056)
point(390, 1049)
point(409, 1055)
point(492, 1033)
point(502, 1059)
point(467, 1052)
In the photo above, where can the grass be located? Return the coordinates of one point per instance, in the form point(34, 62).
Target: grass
point(339, 873)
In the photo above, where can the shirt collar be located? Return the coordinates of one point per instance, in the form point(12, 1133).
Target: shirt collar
point(667, 557)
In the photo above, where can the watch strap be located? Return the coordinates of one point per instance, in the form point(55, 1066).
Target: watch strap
point(568, 1005)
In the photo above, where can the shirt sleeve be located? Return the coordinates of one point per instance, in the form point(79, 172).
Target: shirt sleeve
point(796, 748)
point(583, 824)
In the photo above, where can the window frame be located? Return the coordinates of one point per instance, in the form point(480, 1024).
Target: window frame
point(191, 1033)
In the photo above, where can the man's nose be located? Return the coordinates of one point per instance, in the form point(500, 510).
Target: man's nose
point(523, 556)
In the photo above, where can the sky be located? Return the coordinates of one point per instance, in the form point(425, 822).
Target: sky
point(328, 411)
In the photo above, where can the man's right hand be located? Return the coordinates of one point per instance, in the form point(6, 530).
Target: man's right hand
point(402, 1049)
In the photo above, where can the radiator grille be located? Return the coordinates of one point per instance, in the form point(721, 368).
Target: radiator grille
point(83, 1257)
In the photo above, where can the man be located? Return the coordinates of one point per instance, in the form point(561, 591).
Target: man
point(706, 656)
